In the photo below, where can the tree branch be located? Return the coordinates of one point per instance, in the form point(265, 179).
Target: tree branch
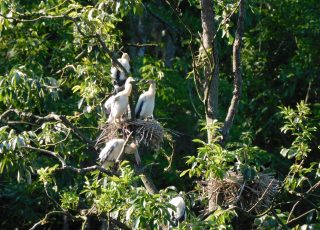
point(64, 165)
point(45, 219)
point(51, 118)
point(236, 68)
point(314, 187)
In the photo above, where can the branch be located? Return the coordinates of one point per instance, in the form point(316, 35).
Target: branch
point(261, 198)
point(48, 153)
point(148, 184)
point(142, 44)
point(315, 186)
point(64, 165)
point(110, 54)
point(88, 169)
point(236, 66)
point(45, 219)
point(51, 118)
point(74, 20)
point(299, 217)
point(123, 147)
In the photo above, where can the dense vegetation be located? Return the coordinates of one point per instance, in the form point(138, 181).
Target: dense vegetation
point(55, 59)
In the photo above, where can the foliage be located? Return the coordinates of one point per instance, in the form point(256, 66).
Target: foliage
point(55, 77)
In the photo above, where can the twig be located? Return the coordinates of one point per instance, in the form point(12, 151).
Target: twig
point(261, 198)
point(110, 54)
point(192, 102)
point(315, 186)
point(299, 217)
point(71, 168)
point(142, 44)
point(124, 147)
point(308, 92)
point(240, 193)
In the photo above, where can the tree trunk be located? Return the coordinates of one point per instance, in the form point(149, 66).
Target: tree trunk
point(211, 68)
point(209, 54)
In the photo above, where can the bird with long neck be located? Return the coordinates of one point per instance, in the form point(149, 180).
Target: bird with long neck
point(120, 102)
point(145, 106)
point(111, 153)
point(117, 74)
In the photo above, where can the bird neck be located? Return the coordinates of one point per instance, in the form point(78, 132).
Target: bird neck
point(152, 89)
point(127, 89)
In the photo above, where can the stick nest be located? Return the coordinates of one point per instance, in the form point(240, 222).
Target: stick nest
point(148, 133)
point(255, 196)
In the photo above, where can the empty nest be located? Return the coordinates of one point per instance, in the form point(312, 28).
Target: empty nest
point(148, 133)
point(255, 196)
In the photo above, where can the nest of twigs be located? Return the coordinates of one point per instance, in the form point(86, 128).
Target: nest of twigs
point(148, 133)
point(112, 130)
point(255, 196)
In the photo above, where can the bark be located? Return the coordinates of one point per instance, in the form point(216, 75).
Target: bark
point(211, 75)
point(236, 68)
point(148, 184)
point(211, 69)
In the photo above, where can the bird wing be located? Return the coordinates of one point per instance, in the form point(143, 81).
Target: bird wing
point(108, 104)
point(107, 151)
point(139, 105)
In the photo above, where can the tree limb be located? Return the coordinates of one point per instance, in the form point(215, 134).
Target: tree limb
point(64, 165)
point(236, 68)
point(45, 219)
point(51, 118)
point(314, 187)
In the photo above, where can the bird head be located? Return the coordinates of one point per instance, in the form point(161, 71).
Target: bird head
point(130, 80)
point(131, 149)
point(125, 56)
point(150, 81)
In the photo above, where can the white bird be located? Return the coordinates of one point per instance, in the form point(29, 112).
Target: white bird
point(118, 74)
point(180, 213)
point(111, 152)
point(108, 104)
point(120, 101)
point(145, 105)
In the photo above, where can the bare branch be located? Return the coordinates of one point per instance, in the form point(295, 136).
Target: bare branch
point(261, 198)
point(46, 218)
point(148, 184)
point(237, 73)
point(47, 153)
point(299, 217)
point(311, 189)
point(123, 147)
